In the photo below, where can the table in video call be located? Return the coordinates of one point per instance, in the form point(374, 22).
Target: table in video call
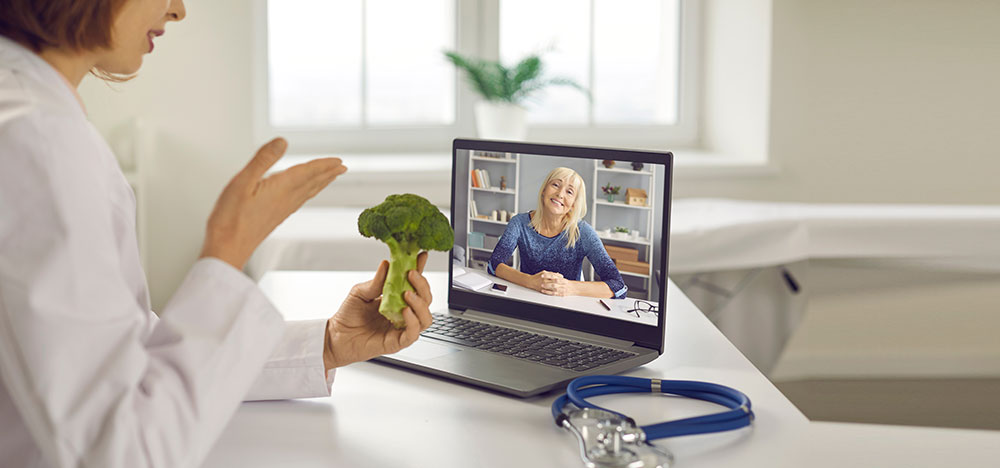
point(590, 305)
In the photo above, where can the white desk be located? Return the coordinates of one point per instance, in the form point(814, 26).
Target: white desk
point(381, 416)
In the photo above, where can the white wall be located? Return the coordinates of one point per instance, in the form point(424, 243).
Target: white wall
point(194, 91)
point(870, 101)
point(879, 101)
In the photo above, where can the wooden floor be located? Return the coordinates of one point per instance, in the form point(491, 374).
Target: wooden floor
point(963, 403)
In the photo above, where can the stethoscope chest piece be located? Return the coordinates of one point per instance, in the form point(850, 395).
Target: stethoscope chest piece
point(607, 440)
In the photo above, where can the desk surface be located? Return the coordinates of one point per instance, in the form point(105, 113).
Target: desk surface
point(380, 415)
point(590, 305)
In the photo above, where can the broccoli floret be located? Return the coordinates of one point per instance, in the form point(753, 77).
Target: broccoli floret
point(407, 223)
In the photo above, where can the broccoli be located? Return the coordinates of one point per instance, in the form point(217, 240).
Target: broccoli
point(407, 223)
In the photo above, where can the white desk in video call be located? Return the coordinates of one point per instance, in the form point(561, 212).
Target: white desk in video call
point(590, 305)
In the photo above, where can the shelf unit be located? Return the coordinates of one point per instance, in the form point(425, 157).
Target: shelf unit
point(645, 179)
point(488, 199)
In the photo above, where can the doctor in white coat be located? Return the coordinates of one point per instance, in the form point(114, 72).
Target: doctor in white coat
point(89, 376)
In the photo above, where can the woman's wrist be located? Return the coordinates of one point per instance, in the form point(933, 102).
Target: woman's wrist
point(232, 258)
point(329, 357)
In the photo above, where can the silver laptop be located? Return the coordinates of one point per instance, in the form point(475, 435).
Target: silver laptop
point(531, 309)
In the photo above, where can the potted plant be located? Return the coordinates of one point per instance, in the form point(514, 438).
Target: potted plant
point(611, 191)
point(501, 115)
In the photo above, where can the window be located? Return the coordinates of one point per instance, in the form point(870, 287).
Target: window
point(369, 75)
point(359, 63)
point(624, 52)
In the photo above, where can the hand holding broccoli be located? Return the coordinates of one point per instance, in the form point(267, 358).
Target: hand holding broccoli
point(358, 333)
point(407, 223)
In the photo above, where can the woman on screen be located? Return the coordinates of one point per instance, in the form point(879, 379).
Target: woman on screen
point(553, 241)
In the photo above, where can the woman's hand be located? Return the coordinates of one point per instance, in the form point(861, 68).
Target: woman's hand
point(556, 285)
point(357, 332)
point(551, 283)
point(251, 206)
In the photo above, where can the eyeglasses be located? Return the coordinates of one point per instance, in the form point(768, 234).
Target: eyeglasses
point(642, 307)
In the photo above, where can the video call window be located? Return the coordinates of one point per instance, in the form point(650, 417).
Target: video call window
point(574, 233)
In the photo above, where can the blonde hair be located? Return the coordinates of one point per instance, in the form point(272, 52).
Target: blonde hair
point(571, 220)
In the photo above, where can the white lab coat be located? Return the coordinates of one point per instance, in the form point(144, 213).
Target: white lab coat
point(89, 376)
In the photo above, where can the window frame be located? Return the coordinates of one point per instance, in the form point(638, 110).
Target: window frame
point(477, 33)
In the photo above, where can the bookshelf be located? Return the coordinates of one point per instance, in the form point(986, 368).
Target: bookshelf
point(609, 214)
point(490, 197)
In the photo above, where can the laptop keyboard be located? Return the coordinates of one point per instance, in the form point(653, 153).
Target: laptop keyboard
point(524, 345)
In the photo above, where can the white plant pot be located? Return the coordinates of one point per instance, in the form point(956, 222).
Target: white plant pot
point(500, 121)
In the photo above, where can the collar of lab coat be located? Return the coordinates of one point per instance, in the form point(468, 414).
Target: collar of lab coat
point(19, 60)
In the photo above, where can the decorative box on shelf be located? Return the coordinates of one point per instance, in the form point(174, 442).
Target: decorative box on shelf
point(631, 266)
point(476, 239)
point(490, 242)
point(635, 197)
point(621, 253)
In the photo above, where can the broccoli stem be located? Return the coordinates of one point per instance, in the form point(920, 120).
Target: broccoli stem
point(403, 258)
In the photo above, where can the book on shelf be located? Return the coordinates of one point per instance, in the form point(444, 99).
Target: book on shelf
point(472, 209)
point(473, 178)
point(484, 178)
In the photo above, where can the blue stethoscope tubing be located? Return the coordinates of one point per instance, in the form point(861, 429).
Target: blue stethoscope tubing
point(738, 416)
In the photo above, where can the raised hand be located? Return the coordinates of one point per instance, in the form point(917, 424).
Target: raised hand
point(252, 205)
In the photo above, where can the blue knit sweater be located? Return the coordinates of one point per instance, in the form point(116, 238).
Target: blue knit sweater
point(550, 253)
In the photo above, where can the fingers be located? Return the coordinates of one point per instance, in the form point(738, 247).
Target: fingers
point(420, 307)
point(421, 262)
point(315, 172)
point(321, 182)
point(266, 156)
point(421, 285)
point(371, 290)
point(412, 330)
point(558, 287)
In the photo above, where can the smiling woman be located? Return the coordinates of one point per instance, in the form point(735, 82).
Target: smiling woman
point(553, 241)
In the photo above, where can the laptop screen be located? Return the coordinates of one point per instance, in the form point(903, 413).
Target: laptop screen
point(555, 234)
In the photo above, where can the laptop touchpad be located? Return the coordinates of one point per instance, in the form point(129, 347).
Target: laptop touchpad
point(425, 350)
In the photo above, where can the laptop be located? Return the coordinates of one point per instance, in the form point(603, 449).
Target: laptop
point(504, 332)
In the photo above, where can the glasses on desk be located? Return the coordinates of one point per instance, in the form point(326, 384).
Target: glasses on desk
point(642, 307)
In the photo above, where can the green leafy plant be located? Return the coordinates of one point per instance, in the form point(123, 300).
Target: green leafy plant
point(622, 229)
point(407, 223)
point(496, 82)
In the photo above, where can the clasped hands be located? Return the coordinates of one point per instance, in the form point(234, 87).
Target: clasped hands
point(252, 205)
point(553, 284)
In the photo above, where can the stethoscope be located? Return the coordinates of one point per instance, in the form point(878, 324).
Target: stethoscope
point(609, 439)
